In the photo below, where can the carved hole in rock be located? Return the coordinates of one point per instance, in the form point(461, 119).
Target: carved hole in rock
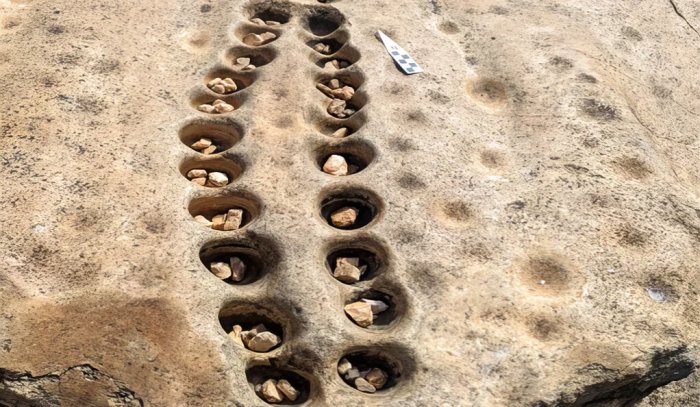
point(345, 58)
point(217, 165)
point(349, 208)
point(204, 209)
point(366, 359)
point(270, 11)
point(547, 274)
point(259, 257)
point(241, 80)
point(258, 57)
point(258, 375)
point(257, 36)
point(249, 318)
point(221, 134)
point(323, 21)
point(383, 315)
point(369, 254)
point(330, 45)
point(201, 101)
point(337, 128)
point(357, 155)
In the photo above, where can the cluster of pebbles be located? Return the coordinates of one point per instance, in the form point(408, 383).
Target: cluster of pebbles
point(276, 391)
point(222, 86)
point(202, 177)
point(243, 64)
point(257, 40)
point(204, 146)
point(231, 220)
point(341, 93)
point(344, 217)
point(336, 64)
point(217, 106)
point(257, 339)
point(323, 48)
point(364, 311)
point(368, 381)
point(234, 269)
point(348, 269)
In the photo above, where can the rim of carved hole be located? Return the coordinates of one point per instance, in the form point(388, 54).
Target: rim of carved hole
point(210, 206)
point(348, 54)
point(259, 56)
point(270, 10)
point(372, 254)
point(357, 154)
point(369, 206)
point(241, 79)
point(392, 359)
point(354, 79)
point(250, 315)
point(356, 103)
point(322, 21)
point(223, 134)
point(244, 29)
point(231, 167)
point(328, 125)
point(202, 96)
point(337, 41)
point(391, 296)
point(301, 381)
point(259, 255)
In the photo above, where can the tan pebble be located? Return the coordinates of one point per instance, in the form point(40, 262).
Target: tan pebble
point(243, 61)
point(344, 93)
point(320, 47)
point(344, 217)
point(221, 269)
point(218, 88)
point(209, 150)
point(217, 179)
point(234, 218)
point(340, 133)
point(270, 393)
point(196, 173)
point(201, 219)
point(347, 272)
point(214, 82)
point(349, 112)
point(271, 22)
point(258, 21)
point(199, 181)
point(334, 84)
point(253, 39)
point(206, 108)
point(235, 334)
point(288, 390)
point(377, 305)
point(364, 386)
point(238, 269)
point(344, 366)
point(223, 108)
point(325, 89)
point(327, 49)
point(217, 222)
point(336, 64)
point(249, 68)
point(336, 165)
point(329, 65)
point(268, 36)
point(336, 107)
point(377, 378)
point(361, 313)
point(201, 144)
point(263, 342)
point(352, 374)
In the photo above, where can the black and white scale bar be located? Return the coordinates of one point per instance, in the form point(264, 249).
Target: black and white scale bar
point(406, 63)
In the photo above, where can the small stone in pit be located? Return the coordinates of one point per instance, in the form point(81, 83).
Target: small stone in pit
point(352, 374)
point(267, 37)
point(361, 313)
point(322, 48)
point(272, 22)
point(336, 165)
point(340, 133)
point(344, 366)
point(222, 107)
point(234, 219)
point(235, 334)
point(377, 378)
point(347, 270)
point(206, 108)
point(218, 221)
point(288, 390)
point(209, 150)
point(199, 181)
point(217, 179)
point(344, 217)
point(263, 342)
point(237, 269)
point(270, 393)
point(246, 336)
point(364, 386)
point(337, 108)
point(201, 144)
point(201, 219)
point(221, 269)
point(344, 93)
point(334, 83)
point(196, 173)
point(258, 21)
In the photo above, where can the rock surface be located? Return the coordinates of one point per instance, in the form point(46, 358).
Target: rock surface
point(551, 141)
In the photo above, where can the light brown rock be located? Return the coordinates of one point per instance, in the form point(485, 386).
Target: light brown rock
point(267, 37)
point(238, 269)
point(209, 150)
point(364, 386)
point(344, 93)
point(253, 40)
point(242, 62)
point(377, 378)
point(218, 221)
point(197, 173)
point(258, 21)
point(336, 165)
point(235, 334)
point(272, 22)
point(234, 219)
point(288, 390)
point(334, 84)
point(201, 144)
point(221, 269)
point(217, 179)
point(344, 217)
point(341, 132)
point(337, 108)
point(352, 374)
point(204, 221)
point(263, 342)
point(347, 270)
point(270, 393)
point(199, 181)
point(218, 88)
point(222, 107)
point(344, 366)
point(361, 313)
point(206, 108)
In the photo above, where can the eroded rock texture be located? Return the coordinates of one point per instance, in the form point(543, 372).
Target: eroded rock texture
point(527, 209)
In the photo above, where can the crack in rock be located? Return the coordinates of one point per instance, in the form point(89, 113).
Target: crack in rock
point(675, 9)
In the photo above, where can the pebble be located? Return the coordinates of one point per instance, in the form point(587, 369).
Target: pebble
point(288, 390)
point(258, 21)
point(377, 306)
point(235, 334)
point(209, 150)
point(263, 342)
point(322, 48)
point(270, 393)
point(201, 144)
point(347, 270)
point(361, 313)
point(344, 366)
point(344, 93)
point(336, 165)
point(377, 378)
point(196, 173)
point(217, 222)
point(258, 39)
point(218, 106)
point(201, 219)
point(337, 108)
point(334, 83)
point(341, 132)
point(244, 64)
point(221, 269)
point(199, 181)
point(217, 179)
point(344, 217)
point(206, 108)
point(222, 86)
point(237, 269)
point(352, 374)
point(234, 219)
point(364, 386)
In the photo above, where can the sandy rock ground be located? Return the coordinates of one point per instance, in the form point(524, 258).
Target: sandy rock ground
point(534, 200)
